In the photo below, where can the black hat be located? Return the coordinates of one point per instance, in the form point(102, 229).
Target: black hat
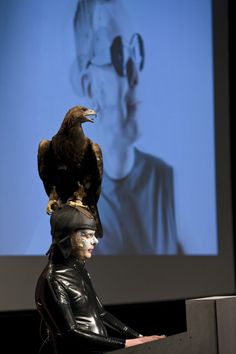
point(66, 220)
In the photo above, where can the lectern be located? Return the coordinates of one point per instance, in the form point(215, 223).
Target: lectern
point(211, 329)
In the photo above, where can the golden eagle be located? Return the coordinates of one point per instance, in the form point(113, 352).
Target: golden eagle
point(71, 165)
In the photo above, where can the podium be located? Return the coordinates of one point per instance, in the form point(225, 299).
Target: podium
point(211, 329)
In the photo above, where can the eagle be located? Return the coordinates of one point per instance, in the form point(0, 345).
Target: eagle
point(70, 165)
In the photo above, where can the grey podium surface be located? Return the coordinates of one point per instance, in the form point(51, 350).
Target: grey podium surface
point(211, 329)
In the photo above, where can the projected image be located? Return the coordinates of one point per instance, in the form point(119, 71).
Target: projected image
point(137, 201)
point(147, 71)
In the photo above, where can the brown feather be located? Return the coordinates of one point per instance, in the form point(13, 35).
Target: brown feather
point(71, 162)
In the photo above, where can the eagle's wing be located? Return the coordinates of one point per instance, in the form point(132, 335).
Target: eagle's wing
point(45, 165)
point(47, 173)
point(99, 168)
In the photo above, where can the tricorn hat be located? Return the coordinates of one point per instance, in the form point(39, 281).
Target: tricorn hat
point(64, 221)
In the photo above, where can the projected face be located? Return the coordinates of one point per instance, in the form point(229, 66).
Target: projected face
point(110, 70)
point(83, 243)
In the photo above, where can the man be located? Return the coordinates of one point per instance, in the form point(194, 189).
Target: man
point(137, 201)
point(65, 297)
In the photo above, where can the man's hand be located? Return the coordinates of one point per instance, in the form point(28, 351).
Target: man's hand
point(141, 340)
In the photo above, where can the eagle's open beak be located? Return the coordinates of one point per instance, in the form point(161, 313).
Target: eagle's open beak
point(89, 115)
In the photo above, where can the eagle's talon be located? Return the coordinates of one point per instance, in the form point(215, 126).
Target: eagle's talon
point(52, 206)
point(76, 203)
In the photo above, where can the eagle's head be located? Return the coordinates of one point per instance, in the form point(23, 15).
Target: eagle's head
point(78, 115)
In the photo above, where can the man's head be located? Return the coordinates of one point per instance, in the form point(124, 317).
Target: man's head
point(73, 231)
point(109, 58)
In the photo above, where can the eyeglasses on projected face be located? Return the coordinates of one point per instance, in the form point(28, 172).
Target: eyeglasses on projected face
point(122, 56)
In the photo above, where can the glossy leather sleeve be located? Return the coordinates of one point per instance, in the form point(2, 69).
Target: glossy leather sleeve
point(114, 323)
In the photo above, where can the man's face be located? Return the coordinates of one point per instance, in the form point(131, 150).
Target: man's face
point(83, 243)
point(112, 95)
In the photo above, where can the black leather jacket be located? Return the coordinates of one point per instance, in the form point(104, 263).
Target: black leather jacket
point(73, 313)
